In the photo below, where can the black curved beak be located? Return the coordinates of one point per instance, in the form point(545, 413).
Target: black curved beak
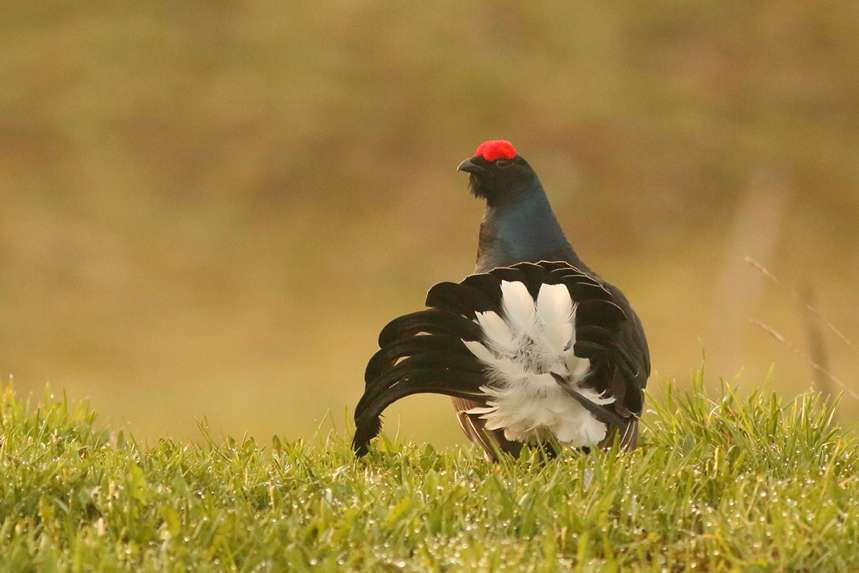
point(469, 166)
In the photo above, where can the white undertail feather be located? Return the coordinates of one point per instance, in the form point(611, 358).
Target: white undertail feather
point(557, 315)
point(518, 308)
point(496, 332)
point(520, 350)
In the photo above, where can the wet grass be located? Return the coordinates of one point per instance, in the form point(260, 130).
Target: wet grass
point(721, 483)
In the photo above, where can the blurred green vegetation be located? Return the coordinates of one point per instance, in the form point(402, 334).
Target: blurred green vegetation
point(210, 209)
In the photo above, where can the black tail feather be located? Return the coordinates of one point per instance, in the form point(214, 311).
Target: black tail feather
point(390, 354)
point(432, 321)
point(416, 381)
point(601, 413)
point(464, 299)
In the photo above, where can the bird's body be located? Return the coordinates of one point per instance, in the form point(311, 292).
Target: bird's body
point(533, 346)
point(525, 232)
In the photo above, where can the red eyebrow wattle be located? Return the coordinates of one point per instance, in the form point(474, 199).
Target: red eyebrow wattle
point(496, 149)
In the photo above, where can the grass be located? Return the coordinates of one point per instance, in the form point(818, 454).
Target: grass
point(721, 483)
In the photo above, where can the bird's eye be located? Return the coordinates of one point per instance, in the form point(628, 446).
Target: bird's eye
point(502, 163)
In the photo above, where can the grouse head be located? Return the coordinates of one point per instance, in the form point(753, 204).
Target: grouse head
point(499, 175)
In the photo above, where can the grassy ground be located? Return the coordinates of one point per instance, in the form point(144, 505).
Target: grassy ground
point(721, 483)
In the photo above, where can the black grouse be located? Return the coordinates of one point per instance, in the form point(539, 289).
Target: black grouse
point(533, 346)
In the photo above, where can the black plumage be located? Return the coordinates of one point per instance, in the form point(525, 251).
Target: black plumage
point(520, 242)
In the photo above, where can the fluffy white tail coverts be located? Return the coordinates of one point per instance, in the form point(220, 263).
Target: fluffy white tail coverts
point(520, 351)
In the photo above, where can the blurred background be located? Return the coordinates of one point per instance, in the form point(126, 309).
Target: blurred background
point(209, 210)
